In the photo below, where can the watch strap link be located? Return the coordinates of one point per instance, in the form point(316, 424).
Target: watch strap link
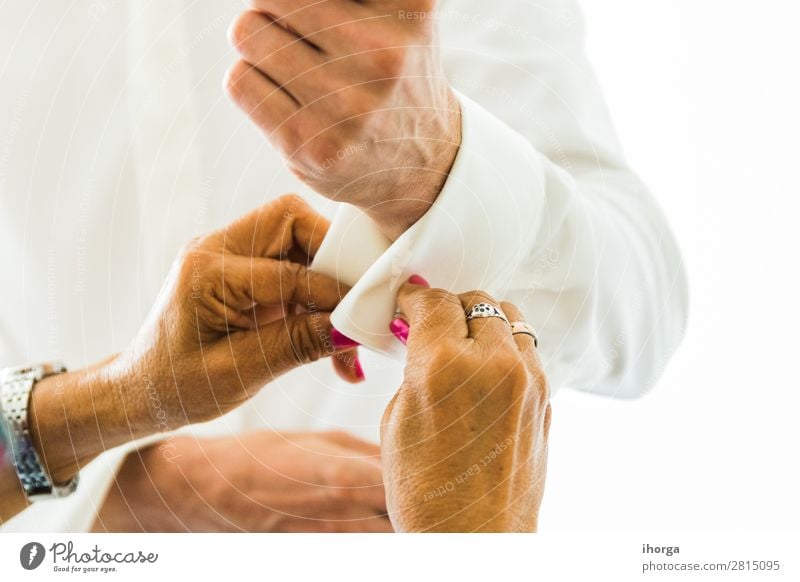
point(15, 391)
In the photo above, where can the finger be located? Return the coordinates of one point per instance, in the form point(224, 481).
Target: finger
point(307, 227)
point(273, 230)
point(263, 99)
point(244, 282)
point(327, 24)
point(278, 53)
point(348, 367)
point(524, 342)
point(259, 356)
point(486, 330)
point(294, 341)
point(432, 314)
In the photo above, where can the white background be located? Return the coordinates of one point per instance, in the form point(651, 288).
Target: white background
point(568, 557)
point(705, 96)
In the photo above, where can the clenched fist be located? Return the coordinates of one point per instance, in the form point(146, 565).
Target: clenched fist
point(464, 440)
point(352, 93)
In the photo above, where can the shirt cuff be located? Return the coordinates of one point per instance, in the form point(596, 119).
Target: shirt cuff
point(473, 237)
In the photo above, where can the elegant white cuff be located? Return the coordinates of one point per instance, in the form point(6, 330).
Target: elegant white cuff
point(473, 237)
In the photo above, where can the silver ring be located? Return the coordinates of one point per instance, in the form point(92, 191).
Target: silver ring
point(527, 329)
point(485, 310)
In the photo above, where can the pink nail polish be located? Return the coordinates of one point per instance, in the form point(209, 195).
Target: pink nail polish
point(417, 280)
point(341, 341)
point(359, 370)
point(400, 329)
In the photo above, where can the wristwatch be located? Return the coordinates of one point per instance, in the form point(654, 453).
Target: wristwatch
point(16, 385)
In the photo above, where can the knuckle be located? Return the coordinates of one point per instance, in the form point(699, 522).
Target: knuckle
point(234, 80)
point(194, 261)
point(292, 274)
point(428, 302)
point(504, 371)
point(477, 296)
point(306, 342)
point(390, 61)
point(291, 203)
point(426, 308)
point(509, 308)
point(325, 147)
point(198, 275)
point(291, 135)
point(242, 29)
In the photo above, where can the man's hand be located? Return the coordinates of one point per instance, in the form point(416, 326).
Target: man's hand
point(261, 482)
point(464, 441)
point(353, 95)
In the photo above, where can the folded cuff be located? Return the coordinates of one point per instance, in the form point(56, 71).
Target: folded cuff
point(473, 236)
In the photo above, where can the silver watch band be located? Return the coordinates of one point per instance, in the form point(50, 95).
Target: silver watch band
point(16, 385)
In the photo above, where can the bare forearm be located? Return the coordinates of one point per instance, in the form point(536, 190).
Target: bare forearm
point(74, 417)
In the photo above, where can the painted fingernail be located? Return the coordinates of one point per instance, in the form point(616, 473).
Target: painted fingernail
point(417, 280)
point(341, 341)
point(359, 370)
point(400, 329)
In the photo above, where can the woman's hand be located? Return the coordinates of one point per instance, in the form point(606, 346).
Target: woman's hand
point(238, 309)
point(464, 440)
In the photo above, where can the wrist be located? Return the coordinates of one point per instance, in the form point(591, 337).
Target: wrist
point(75, 416)
point(429, 160)
point(12, 496)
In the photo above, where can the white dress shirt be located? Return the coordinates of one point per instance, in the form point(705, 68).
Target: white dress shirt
point(117, 144)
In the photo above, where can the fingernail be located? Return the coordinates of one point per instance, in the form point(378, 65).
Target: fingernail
point(341, 341)
point(417, 280)
point(400, 329)
point(359, 370)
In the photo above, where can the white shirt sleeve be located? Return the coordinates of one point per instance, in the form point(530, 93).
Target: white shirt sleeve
point(78, 512)
point(540, 208)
